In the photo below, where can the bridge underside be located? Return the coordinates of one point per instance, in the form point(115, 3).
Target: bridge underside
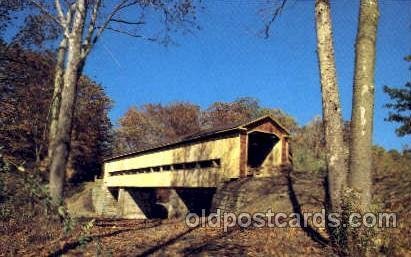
point(149, 203)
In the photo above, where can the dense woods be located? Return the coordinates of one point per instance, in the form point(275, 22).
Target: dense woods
point(25, 112)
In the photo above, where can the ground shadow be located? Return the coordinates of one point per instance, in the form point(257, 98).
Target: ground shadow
point(165, 244)
point(217, 249)
point(308, 229)
point(74, 244)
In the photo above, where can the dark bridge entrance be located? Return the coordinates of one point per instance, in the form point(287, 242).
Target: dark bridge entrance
point(260, 145)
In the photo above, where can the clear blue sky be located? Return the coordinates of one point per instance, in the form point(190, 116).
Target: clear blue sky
point(226, 59)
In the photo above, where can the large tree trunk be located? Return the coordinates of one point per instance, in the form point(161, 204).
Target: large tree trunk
point(61, 144)
point(333, 125)
point(55, 104)
point(363, 103)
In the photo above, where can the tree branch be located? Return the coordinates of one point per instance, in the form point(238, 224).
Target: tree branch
point(128, 22)
point(118, 7)
point(60, 12)
point(47, 13)
point(277, 12)
point(131, 34)
point(91, 28)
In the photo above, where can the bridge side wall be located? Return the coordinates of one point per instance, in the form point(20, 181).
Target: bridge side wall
point(227, 149)
point(202, 177)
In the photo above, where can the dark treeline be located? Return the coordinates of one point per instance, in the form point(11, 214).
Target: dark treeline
point(25, 96)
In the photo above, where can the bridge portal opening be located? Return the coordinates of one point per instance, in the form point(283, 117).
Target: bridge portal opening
point(260, 145)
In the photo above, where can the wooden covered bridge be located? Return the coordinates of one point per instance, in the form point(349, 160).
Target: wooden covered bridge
point(199, 161)
point(205, 159)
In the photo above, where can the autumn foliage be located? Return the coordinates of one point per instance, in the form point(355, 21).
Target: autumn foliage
point(25, 95)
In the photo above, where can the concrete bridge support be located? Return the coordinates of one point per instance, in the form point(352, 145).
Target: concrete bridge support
point(150, 203)
point(104, 200)
point(135, 204)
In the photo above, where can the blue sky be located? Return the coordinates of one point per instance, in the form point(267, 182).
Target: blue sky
point(227, 59)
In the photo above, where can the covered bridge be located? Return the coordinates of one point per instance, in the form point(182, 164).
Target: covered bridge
point(204, 159)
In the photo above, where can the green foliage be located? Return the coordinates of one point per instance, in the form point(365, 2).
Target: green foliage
point(362, 240)
point(6, 208)
point(308, 147)
point(85, 235)
point(400, 106)
point(24, 189)
point(25, 198)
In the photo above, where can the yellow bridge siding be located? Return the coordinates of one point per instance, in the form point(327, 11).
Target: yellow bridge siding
point(272, 160)
point(227, 150)
point(204, 177)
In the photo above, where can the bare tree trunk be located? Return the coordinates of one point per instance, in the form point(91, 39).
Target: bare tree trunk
point(333, 126)
point(61, 144)
point(55, 104)
point(363, 103)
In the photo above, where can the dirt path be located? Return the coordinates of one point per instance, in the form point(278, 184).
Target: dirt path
point(174, 238)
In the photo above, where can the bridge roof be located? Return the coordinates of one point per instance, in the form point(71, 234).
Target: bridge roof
point(214, 132)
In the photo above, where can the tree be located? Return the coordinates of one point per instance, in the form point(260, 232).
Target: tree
point(308, 147)
point(401, 98)
point(332, 119)
point(222, 113)
point(360, 163)
point(358, 173)
point(363, 103)
point(131, 133)
point(91, 137)
point(153, 124)
point(21, 125)
point(25, 96)
point(174, 120)
point(79, 31)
